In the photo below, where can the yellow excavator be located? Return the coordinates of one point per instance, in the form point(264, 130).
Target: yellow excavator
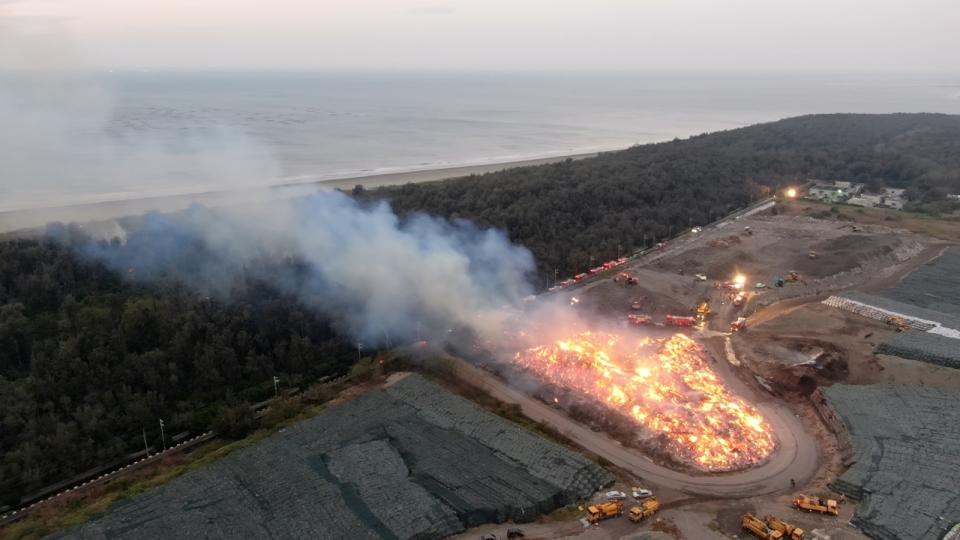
point(898, 322)
point(703, 309)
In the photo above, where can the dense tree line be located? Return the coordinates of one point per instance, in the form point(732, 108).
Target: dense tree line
point(568, 212)
point(89, 360)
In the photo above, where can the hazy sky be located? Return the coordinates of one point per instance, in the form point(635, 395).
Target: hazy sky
point(506, 34)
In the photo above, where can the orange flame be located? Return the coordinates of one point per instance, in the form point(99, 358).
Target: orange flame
point(667, 389)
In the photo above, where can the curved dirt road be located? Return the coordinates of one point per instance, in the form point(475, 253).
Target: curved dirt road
point(796, 457)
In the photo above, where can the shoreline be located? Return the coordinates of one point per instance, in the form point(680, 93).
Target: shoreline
point(94, 211)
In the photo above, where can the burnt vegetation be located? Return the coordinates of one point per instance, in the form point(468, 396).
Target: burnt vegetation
point(89, 359)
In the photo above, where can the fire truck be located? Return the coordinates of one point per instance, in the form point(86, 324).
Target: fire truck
point(673, 320)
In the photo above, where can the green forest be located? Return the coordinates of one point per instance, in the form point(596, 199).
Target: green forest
point(570, 212)
point(90, 360)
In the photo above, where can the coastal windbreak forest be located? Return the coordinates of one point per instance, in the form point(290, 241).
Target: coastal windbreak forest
point(572, 212)
point(90, 359)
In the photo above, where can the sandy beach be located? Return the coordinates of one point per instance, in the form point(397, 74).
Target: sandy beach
point(30, 218)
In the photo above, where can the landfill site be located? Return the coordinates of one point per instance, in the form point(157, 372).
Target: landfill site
point(407, 461)
point(773, 375)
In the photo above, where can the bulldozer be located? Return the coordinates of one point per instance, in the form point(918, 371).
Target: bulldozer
point(793, 276)
point(646, 509)
point(816, 504)
point(789, 530)
point(758, 528)
point(599, 512)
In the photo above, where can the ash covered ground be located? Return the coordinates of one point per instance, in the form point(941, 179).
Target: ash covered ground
point(408, 461)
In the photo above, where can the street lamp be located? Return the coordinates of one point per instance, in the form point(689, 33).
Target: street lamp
point(792, 193)
point(163, 437)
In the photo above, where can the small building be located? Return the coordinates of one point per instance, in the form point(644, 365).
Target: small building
point(834, 192)
point(888, 198)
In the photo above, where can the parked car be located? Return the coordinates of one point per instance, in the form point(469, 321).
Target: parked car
point(701, 277)
point(641, 493)
point(616, 495)
point(695, 230)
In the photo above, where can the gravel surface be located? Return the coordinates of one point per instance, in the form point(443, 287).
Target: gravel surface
point(906, 452)
point(409, 461)
point(935, 285)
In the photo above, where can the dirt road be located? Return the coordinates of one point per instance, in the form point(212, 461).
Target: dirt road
point(796, 458)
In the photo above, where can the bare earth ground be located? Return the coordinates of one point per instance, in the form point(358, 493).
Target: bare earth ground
point(787, 327)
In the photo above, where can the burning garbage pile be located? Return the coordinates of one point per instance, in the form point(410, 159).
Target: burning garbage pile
point(664, 387)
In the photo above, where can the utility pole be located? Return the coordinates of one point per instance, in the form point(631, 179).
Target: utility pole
point(163, 437)
point(276, 386)
point(358, 350)
point(619, 249)
point(146, 447)
point(556, 276)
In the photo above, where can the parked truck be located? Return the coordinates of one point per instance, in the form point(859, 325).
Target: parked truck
point(816, 504)
point(646, 509)
point(674, 320)
point(758, 528)
point(789, 530)
point(599, 512)
point(739, 325)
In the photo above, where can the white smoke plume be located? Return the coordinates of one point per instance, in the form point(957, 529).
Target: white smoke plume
point(381, 279)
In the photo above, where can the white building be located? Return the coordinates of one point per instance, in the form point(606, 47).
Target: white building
point(834, 192)
point(888, 198)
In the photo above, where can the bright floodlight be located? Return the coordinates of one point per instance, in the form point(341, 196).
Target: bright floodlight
point(739, 280)
point(791, 193)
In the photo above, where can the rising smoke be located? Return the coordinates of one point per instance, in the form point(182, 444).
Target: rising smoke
point(383, 280)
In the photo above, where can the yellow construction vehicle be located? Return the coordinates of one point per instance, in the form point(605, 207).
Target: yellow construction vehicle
point(789, 530)
point(646, 509)
point(703, 309)
point(752, 523)
point(898, 322)
point(816, 504)
point(599, 512)
point(793, 276)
